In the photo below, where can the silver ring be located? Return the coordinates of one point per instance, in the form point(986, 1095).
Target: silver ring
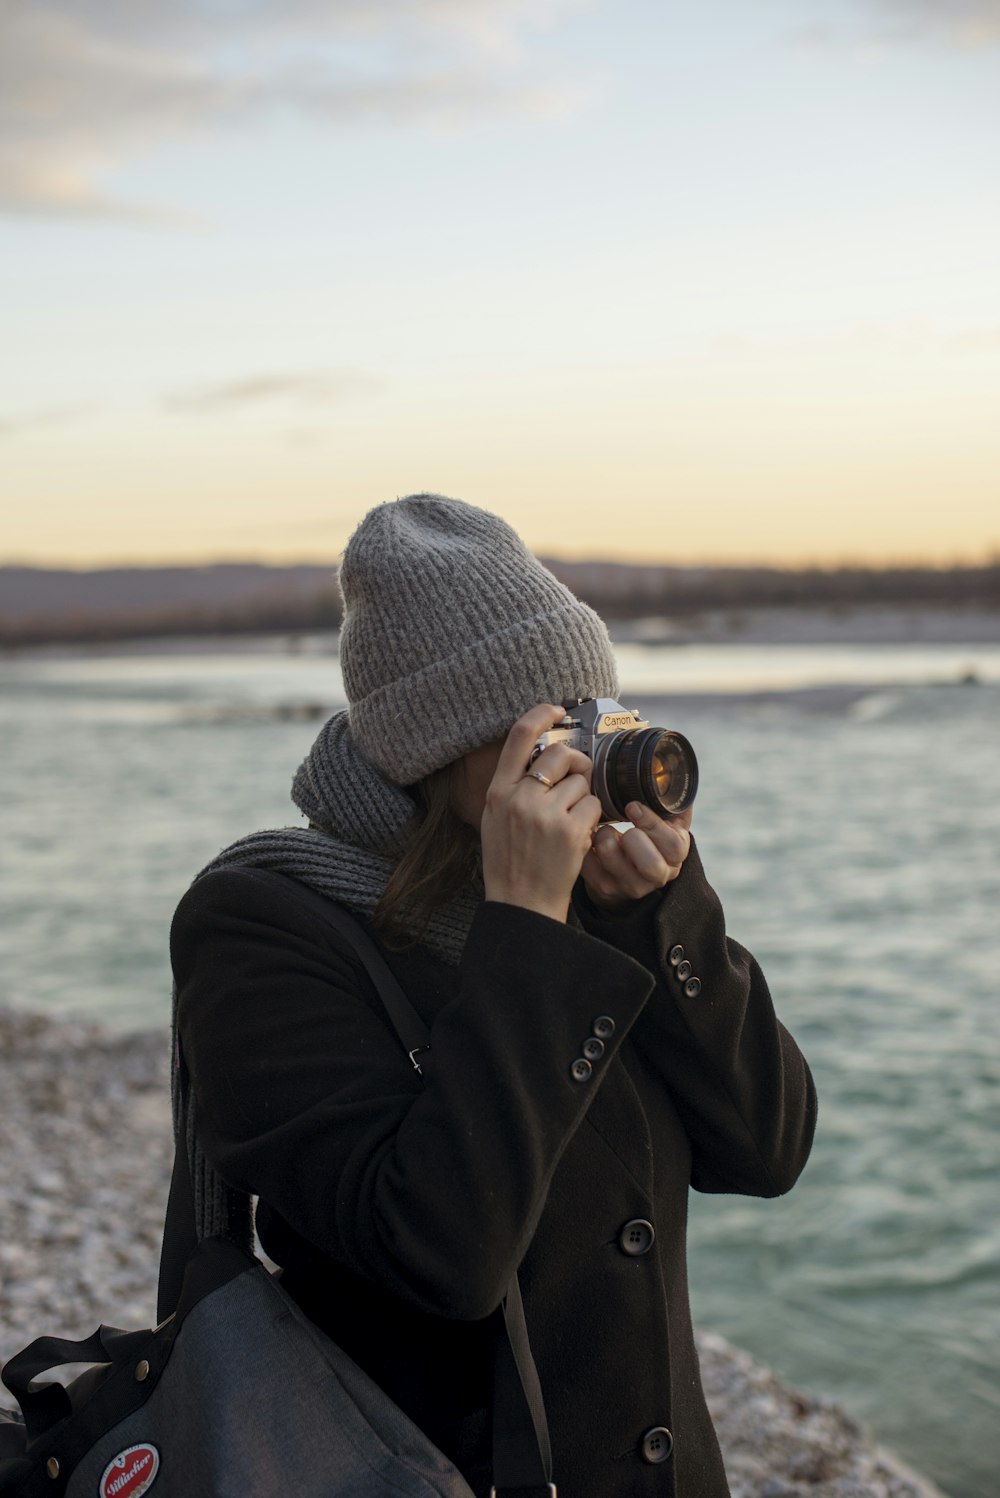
point(537, 775)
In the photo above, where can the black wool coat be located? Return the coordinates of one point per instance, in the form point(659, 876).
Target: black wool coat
point(400, 1207)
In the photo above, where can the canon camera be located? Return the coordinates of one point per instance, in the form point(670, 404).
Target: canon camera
point(632, 760)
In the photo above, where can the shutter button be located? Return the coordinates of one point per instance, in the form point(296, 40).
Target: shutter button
point(657, 1444)
point(636, 1237)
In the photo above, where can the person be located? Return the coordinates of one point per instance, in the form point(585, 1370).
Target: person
point(599, 1045)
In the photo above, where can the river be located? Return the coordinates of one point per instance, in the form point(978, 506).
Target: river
point(849, 818)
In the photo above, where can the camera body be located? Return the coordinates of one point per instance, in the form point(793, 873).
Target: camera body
point(632, 760)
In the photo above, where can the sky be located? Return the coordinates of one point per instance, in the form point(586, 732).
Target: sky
point(713, 282)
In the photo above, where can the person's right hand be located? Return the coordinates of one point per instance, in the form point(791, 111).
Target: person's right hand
point(536, 838)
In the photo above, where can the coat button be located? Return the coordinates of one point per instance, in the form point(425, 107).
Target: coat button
point(692, 988)
point(657, 1444)
point(593, 1049)
point(604, 1027)
point(684, 970)
point(580, 1070)
point(636, 1237)
point(676, 953)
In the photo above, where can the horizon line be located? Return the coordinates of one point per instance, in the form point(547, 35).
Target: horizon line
point(988, 557)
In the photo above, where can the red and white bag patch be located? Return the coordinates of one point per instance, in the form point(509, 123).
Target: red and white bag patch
point(132, 1472)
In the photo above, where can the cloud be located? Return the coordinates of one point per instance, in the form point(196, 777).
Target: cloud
point(297, 392)
point(915, 337)
point(975, 341)
point(89, 86)
point(967, 23)
point(878, 26)
point(254, 390)
point(906, 338)
point(41, 419)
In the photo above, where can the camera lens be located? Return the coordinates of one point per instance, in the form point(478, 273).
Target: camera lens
point(654, 766)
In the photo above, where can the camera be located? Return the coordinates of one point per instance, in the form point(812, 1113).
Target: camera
point(632, 761)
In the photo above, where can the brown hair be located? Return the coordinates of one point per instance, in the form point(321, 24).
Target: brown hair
point(439, 858)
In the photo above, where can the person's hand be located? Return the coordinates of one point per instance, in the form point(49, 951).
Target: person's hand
point(624, 866)
point(535, 837)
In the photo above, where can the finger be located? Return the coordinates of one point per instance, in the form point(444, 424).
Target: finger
point(646, 858)
point(681, 820)
point(518, 744)
point(566, 793)
point(615, 875)
point(601, 885)
point(671, 837)
point(589, 812)
point(606, 835)
point(559, 760)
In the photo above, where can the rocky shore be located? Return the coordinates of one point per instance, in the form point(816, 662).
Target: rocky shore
point(84, 1167)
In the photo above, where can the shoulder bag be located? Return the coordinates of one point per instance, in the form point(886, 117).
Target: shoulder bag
point(236, 1394)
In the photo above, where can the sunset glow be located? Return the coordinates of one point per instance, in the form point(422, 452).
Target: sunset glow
point(712, 286)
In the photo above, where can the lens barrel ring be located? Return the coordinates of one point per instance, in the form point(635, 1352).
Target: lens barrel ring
point(636, 763)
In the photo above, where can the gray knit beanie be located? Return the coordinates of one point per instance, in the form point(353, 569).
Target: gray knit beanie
point(451, 631)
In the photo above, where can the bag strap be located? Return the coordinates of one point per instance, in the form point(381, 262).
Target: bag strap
point(521, 1447)
point(522, 1452)
point(406, 1022)
point(180, 1238)
point(50, 1401)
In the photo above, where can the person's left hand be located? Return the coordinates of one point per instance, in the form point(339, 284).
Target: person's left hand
point(622, 867)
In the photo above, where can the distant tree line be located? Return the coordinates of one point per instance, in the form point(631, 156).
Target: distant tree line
point(623, 592)
point(306, 600)
point(294, 615)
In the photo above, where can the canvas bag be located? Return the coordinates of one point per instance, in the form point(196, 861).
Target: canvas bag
point(237, 1394)
point(230, 1399)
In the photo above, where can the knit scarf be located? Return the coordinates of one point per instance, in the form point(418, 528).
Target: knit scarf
point(358, 821)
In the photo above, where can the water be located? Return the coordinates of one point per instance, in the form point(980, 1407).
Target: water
point(852, 832)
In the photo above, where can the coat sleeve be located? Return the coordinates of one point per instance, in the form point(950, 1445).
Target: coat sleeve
point(432, 1188)
point(736, 1076)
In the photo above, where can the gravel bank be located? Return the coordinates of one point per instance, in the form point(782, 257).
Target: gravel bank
point(84, 1168)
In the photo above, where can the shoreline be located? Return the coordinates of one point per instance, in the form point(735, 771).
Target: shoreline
point(85, 1156)
point(817, 624)
point(792, 624)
